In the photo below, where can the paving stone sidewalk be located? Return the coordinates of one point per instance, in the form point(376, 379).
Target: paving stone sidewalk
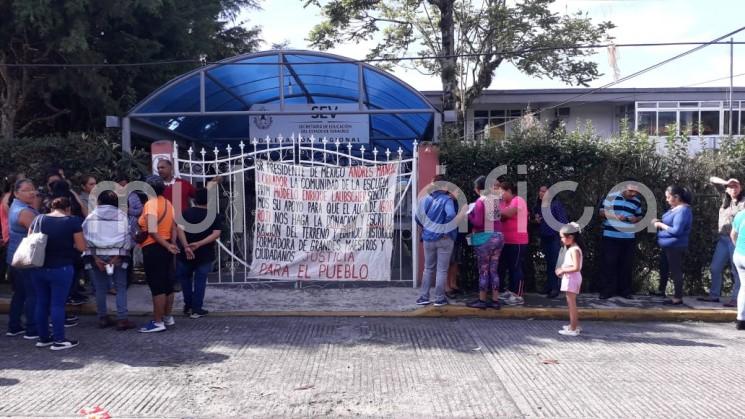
point(377, 367)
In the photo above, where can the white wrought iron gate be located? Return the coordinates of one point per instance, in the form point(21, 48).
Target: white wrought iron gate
point(236, 202)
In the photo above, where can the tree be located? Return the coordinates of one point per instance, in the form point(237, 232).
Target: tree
point(470, 39)
point(39, 100)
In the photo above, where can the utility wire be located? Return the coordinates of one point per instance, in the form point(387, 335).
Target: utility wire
point(718, 79)
point(370, 60)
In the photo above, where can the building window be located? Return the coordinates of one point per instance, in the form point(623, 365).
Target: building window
point(666, 121)
point(494, 124)
point(710, 122)
point(689, 122)
point(736, 123)
point(647, 122)
point(692, 118)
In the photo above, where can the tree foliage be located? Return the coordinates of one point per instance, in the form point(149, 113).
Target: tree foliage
point(597, 165)
point(470, 39)
point(34, 100)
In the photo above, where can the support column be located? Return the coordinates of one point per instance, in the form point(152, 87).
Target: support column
point(126, 135)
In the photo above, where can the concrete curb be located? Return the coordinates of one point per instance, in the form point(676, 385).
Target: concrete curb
point(454, 311)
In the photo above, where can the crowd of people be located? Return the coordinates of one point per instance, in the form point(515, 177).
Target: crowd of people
point(97, 241)
point(498, 232)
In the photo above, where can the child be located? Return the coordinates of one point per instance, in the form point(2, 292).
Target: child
point(571, 277)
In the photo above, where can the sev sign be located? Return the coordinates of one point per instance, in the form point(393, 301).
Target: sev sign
point(324, 223)
point(323, 123)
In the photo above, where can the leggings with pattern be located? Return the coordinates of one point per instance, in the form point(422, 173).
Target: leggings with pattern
point(488, 261)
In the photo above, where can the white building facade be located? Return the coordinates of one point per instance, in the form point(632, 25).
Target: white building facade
point(704, 113)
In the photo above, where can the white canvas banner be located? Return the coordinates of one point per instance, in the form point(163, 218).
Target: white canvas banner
point(347, 128)
point(324, 223)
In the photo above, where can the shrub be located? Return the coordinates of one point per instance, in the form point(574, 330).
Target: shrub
point(78, 154)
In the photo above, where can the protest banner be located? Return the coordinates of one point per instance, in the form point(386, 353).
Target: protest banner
point(324, 223)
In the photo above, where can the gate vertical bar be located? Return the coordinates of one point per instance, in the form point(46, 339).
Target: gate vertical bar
point(245, 208)
point(230, 211)
point(414, 207)
point(219, 252)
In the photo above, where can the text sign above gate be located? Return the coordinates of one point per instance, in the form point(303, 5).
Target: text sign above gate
point(347, 128)
point(324, 223)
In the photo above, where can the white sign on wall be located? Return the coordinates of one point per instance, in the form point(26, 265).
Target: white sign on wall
point(347, 128)
point(324, 223)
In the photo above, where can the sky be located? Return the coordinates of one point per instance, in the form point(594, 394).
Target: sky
point(637, 21)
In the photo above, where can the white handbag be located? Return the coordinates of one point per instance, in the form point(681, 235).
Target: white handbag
point(32, 250)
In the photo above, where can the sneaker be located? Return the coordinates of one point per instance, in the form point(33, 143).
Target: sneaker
point(505, 296)
point(442, 302)
point(169, 320)
point(71, 321)
point(422, 301)
point(152, 326)
point(30, 337)
point(43, 343)
point(480, 304)
point(187, 311)
point(494, 305)
point(513, 300)
point(566, 327)
point(71, 317)
point(198, 313)
point(15, 332)
point(65, 344)
point(567, 332)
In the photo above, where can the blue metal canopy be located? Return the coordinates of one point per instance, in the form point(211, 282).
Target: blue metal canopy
point(214, 104)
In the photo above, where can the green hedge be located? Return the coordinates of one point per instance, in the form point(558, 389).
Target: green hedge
point(78, 154)
point(596, 165)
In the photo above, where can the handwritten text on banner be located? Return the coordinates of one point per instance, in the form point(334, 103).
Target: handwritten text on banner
point(324, 223)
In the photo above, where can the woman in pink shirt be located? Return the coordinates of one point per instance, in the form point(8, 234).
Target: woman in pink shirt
point(514, 212)
point(487, 241)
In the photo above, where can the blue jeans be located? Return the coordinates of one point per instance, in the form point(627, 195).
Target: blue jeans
point(550, 245)
point(23, 301)
point(102, 282)
point(436, 264)
point(722, 256)
point(52, 287)
point(193, 278)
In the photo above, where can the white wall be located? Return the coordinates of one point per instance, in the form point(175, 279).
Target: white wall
point(601, 115)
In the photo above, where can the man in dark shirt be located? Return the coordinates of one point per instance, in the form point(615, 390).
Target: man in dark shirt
point(196, 261)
